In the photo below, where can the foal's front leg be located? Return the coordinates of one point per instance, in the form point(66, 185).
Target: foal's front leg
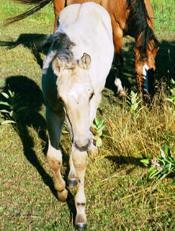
point(55, 122)
point(79, 161)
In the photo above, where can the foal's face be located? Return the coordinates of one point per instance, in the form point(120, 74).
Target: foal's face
point(75, 90)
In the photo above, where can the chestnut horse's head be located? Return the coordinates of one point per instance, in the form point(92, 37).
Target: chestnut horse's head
point(146, 50)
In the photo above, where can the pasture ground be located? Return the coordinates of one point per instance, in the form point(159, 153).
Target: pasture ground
point(119, 197)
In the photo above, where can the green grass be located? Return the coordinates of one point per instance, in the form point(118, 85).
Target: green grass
point(164, 15)
point(119, 197)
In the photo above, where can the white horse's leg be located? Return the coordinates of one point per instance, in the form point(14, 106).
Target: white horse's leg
point(55, 122)
point(72, 177)
point(120, 90)
point(79, 160)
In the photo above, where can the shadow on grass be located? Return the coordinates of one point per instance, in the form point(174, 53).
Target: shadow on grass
point(120, 160)
point(23, 106)
point(34, 42)
point(25, 102)
point(166, 61)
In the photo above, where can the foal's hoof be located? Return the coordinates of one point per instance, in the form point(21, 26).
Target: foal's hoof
point(62, 196)
point(72, 182)
point(80, 222)
point(122, 94)
point(80, 227)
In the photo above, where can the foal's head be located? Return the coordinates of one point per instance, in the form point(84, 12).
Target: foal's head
point(75, 91)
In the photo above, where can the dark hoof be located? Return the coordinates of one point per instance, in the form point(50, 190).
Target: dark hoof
point(80, 227)
point(72, 182)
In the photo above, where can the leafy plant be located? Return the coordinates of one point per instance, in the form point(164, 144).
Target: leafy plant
point(161, 166)
point(10, 106)
point(6, 107)
point(134, 103)
point(97, 130)
point(171, 98)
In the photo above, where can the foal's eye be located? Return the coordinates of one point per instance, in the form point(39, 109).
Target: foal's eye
point(61, 100)
point(92, 94)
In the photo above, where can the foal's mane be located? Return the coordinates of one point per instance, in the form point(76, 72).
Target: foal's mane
point(60, 46)
point(138, 25)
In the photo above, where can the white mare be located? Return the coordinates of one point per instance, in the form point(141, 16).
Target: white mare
point(74, 75)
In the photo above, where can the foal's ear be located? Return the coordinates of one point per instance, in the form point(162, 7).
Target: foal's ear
point(57, 65)
point(85, 61)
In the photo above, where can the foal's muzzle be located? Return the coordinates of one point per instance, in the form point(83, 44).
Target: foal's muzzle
point(82, 145)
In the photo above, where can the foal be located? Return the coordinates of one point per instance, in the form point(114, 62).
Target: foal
point(74, 74)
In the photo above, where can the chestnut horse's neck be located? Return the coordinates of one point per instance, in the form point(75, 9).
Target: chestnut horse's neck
point(139, 25)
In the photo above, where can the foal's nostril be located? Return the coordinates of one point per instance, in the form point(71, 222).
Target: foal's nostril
point(82, 145)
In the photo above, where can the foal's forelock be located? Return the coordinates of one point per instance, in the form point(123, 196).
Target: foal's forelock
point(60, 48)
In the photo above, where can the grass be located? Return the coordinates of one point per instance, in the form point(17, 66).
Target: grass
point(119, 197)
point(164, 15)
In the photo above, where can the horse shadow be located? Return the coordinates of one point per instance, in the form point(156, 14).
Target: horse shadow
point(22, 103)
point(34, 42)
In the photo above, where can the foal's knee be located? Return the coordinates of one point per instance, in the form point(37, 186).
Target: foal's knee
point(54, 158)
point(79, 160)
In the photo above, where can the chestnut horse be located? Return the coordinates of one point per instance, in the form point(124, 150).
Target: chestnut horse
point(129, 17)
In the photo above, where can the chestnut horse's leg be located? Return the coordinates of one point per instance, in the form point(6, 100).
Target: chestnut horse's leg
point(118, 40)
point(55, 121)
point(58, 6)
point(79, 161)
point(141, 68)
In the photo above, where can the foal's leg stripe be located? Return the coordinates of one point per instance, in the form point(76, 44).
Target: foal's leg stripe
point(81, 204)
point(61, 190)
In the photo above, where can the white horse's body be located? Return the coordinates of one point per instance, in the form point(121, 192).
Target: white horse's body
point(75, 71)
point(89, 27)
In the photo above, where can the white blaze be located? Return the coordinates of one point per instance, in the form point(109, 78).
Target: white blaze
point(145, 76)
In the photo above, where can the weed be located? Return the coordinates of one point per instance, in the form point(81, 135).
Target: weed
point(161, 166)
point(11, 106)
point(171, 97)
point(134, 103)
point(7, 108)
point(97, 130)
